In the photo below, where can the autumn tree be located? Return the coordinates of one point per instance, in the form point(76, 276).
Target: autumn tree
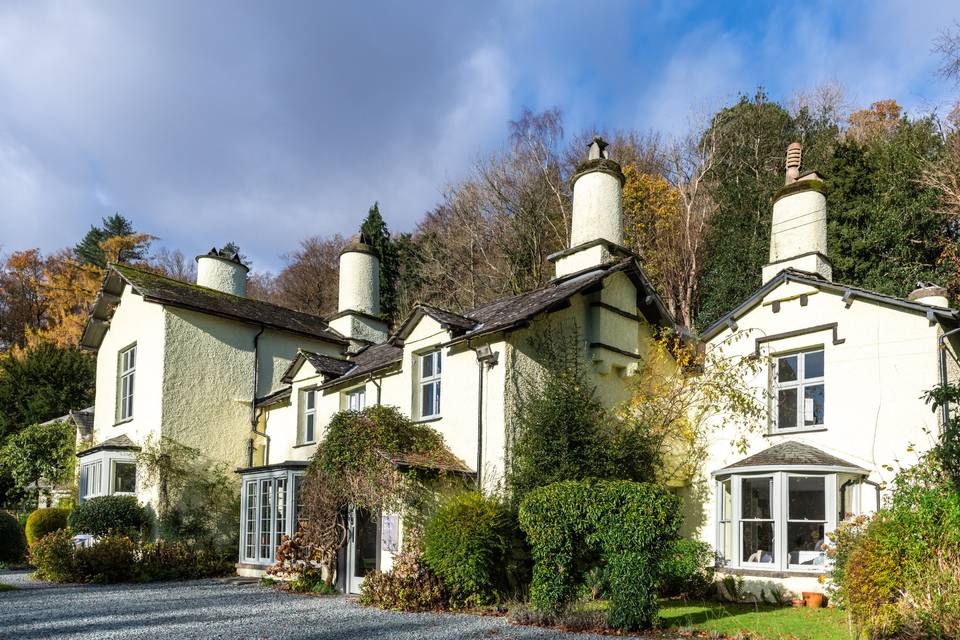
point(22, 304)
point(873, 125)
point(309, 280)
point(89, 250)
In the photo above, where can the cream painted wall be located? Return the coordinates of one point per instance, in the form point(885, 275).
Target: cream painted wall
point(874, 381)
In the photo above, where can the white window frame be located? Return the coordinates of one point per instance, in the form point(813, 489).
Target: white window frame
point(356, 399)
point(306, 413)
point(780, 513)
point(91, 479)
point(126, 382)
point(800, 384)
point(277, 515)
point(113, 476)
point(725, 517)
point(430, 382)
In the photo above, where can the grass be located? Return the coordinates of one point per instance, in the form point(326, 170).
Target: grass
point(7, 587)
point(760, 621)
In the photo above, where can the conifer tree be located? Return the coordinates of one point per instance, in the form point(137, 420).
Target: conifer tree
point(375, 232)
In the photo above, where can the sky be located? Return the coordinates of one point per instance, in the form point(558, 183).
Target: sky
point(264, 123)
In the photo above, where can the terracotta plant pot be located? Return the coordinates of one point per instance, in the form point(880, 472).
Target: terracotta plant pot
point(812, 599)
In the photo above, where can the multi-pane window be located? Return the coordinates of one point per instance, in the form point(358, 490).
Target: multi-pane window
point(725, 546)
point(281, 508)
point(799, 392)
point(269, 513)
point(266, 519)
point(250, 537)
point(126, 375)
point(308, 420)
point(357, 399)
point(124, 477)
point(430, 369)
point(90, 479)
point(806, 519)
point(756, 519)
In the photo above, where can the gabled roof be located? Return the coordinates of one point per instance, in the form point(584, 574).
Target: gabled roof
point(82, 419)
point(119, 443)
point(324, 365)
point(271, 399)
point(371, 359)
point(516, 311)
point(443, 460)
point(168, 291)
point(787, 455)
point(932, 312)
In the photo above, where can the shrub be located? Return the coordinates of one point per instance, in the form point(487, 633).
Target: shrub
point(466, 543)
point(179, 561)
point(44, 521)
point(627, 523)
point(53, 556)
point(687, 568)
point(110, 559)
point(109, 515)
point(409, 586)
point(11, 539)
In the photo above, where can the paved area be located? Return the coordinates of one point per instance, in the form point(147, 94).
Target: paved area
point(224, 609)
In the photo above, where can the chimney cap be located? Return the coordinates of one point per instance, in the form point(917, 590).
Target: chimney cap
point(225, 256)
point(597, 149)
point(358, 244)
point(927, 290)
point(598, 160)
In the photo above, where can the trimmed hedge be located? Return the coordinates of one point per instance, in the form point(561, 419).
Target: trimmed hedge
point(687, 568)
point(466, 543)
point(109, 515)
point(12, 546)
point(44, 521)
point(628, 523)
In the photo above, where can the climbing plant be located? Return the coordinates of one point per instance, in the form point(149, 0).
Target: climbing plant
point(376, 459)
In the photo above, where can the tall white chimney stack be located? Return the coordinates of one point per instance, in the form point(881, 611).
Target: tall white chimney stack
point(223, 271)
point(358, 308)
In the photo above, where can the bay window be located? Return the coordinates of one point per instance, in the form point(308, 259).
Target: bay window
point(430, 369)
point(775, 520)
point(798, 392)
point(269, 497)
point(124, 477)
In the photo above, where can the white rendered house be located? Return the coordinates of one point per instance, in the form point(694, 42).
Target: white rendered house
point(457, 371)
point(847, 369)
point(184, 361)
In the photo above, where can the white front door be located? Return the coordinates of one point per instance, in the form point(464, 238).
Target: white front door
point(363, 543)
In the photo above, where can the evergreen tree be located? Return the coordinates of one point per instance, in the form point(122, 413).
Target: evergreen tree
point(89, 251)
point(374, 231)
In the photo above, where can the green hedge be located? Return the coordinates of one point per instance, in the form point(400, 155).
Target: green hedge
point(687, 568)
point(109, 515)
point(12, 547)
point(466, 542)
point(44, 521)
point(629, 524)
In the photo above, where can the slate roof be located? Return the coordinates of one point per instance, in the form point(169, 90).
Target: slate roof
point(327, 365)
point(118, 443)
point(369, 360)
point(791, 454)
point(273, 398)
point(442, 461)
point(950, 316)
point(168, 291)
point(82, 419)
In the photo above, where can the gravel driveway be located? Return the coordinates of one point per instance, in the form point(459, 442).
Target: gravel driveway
point(224, 609)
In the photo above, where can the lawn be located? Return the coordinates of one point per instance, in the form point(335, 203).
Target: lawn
point(762, 621)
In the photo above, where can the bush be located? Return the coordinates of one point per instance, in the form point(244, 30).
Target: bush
point(409, 586)
point(109, 515)
point(179, 561)
point(44, 521)
point(466, 543)
point(627, 523)
point(53, 556)
point(12, 545)
point(687, 568)
point(110, 559)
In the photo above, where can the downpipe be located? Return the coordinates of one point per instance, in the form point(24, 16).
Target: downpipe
point(254, 414)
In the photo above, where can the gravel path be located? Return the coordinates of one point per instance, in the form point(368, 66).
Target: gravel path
point(222, 609)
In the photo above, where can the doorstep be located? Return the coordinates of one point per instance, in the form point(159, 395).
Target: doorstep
point(247, 570)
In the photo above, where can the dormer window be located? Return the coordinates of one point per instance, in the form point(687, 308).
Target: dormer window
point(799, 391)
point(308, 416)
point(430, 369)
point(126, 373)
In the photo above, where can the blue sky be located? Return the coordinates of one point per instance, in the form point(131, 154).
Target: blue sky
point(264, 123)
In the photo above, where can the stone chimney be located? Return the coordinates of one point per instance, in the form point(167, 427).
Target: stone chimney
point(597, 226)
point(358, 308)
point(223, 271)
point(798, 233)
point(929, 293)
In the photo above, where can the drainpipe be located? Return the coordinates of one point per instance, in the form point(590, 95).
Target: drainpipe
point(377, 385)
point(485, 356)
point(876, 486)
point(942, 349)
point(254, 415)
point(843, 498)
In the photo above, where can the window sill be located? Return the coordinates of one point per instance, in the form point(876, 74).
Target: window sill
point(771, 573)
point(124, 421)
point(304, 444)
point(788, 432)
point(428, 419)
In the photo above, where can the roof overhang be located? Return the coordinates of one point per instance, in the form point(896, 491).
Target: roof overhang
point(290, 465)
point(791, 468)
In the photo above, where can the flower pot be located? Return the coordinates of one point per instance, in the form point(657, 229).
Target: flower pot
point(812, 599)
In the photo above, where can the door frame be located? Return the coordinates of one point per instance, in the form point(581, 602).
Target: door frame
point(352, 583)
